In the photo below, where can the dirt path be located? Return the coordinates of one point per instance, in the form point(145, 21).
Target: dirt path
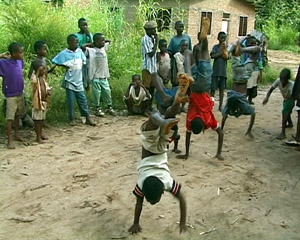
point(283, 59)
point(78, 186)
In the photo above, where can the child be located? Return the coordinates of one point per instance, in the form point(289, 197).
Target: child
point(163, 62)
point(237, 103)
point(137, 97)
point(154, 174)
point(40, 98)
point(99, 74)
point(174, 47)
point(286, 87)
point(85, 39)
point(181, 58)
point(40, 48)
point(12, 87)
point(72, 59)
point(219, 76)
point(149, 66)
point(200, 111)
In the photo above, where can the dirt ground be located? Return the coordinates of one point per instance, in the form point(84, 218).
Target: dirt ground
point(78, 186)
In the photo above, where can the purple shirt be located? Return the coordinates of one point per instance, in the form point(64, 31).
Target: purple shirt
point(13, 82)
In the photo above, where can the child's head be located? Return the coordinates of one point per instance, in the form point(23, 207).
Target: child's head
point(72, 41)
point(196, 125)
point(16, 50)
point(83, 25)
point(40, 48)
point(183, 45)
point(136, 80)
point(179, 27)
point(39, 64)
point(153, 188)
point(221, 37)
point(285, 75)
point(150, 27)
point(99, 40)
point(163, 45)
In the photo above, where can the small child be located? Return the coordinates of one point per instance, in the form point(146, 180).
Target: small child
point(137, 97)
point(85, 39)
point(40, 98)
point(72, 59)
point(154, 174)
point(40, 47)
point(99, 74)
point(181, 58)
point(163, 62)
point(200, 111)
point(219, 76)
point(286, 87)
point(237, 103)
point(13, 85)
point(174, 47)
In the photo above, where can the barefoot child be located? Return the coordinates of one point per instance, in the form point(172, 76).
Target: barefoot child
point(237, 103)
point(40, 97)
point(12, 87)
point(219, 76)
point(154, 174)
point(200, 112)
point(99, 74)
point(286, 87)
point(137, 97)
point(72, 58)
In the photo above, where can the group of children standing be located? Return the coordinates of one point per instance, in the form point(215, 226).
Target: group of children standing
point(85, 61)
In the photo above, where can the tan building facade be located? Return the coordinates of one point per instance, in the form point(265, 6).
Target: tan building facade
point(235, 17)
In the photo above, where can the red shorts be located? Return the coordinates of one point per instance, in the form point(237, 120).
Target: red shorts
point(201, 107)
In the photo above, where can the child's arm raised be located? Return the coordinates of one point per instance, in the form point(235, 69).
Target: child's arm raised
point(187, 146)
point(182, 205)
point(135, 228)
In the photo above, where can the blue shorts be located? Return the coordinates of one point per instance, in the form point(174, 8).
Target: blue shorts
point(201, 72)
point(170, 92)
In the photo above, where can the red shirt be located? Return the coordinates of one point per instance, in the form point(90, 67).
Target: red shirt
point(201, 106)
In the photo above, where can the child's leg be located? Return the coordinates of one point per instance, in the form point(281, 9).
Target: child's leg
point(96, 93)
point(106, 92)
point(83, 107)
point(289, 122)
point(204, 55)
point(297, 138)
point(42, 135)
point(17, 126)
point(205, 24)
point(157, 120)
point(9, 124)
point(286, 114)
point(222, 86)
point(159, 86)
point(220, 143)
point(70, 103)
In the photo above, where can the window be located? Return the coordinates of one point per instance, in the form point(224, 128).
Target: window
point(225, 23)
point(163, 19)
point(243, 26)
point(208, 15)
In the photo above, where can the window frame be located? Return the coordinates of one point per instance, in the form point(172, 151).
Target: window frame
point(239, 27)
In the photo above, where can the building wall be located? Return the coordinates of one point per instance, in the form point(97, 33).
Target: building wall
point(193, 8)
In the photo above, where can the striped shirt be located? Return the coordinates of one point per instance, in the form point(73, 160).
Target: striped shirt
point(149, 63)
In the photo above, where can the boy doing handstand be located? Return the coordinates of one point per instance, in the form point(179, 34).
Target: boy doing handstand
point(237, 103)
point(154, 174)
point(13, 85)
point(40, 98)
point(200, 112)
point(286, 87)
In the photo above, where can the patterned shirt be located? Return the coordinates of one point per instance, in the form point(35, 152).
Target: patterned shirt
point(149, 63)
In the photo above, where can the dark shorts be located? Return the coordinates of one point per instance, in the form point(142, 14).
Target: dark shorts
point(252, 92)
point(218, 83)
point(237, 105)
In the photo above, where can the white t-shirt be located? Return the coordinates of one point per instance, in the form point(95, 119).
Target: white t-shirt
point(286, 91)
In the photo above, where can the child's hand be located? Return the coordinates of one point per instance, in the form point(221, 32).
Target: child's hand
point(265, 101)
point(135, 228)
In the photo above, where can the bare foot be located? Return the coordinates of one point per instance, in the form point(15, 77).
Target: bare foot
point(10, 146)
point(250, 135)
point(44, 137)
point(169, 123)
point(39, 140)
point(184, 82)
point(205, 28)
point(185, 157)
point(176, 151)
point(18, 138)
point(281, 136)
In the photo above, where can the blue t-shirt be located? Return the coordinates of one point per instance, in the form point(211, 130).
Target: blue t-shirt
point(174, 45)
point(74, 61)
point(13, 82)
